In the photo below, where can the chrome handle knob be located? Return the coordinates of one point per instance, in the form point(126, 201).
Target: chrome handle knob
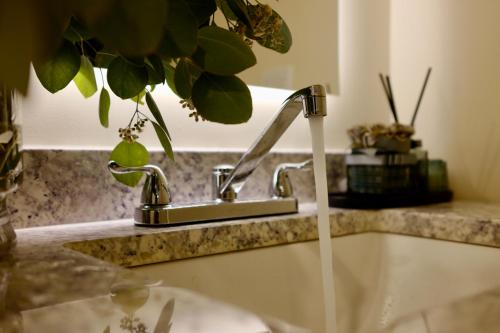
point(219, 175)
point(155, 190)
point(281, 186)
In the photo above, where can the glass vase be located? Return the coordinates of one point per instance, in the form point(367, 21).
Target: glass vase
point(11, 164)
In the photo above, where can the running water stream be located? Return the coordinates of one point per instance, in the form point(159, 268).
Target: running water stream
point(325, 243)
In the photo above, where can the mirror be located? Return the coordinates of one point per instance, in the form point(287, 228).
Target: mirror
point(313, 57)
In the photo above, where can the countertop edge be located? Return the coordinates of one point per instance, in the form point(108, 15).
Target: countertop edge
point(121, 243)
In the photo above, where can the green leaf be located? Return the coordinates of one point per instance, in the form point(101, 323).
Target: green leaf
point(76, 32)
point(85, 78)
point(136, 61)
point(131, 27)
point(129, 155)
point(155, 111)
point(104, 104)
point(226, 10)
point(202, 9)
point(156, 72)
point(103, 58)
point(57, 72)
point(180, 37)
point(223, 52)
point(239, 9)
point(139, 97)
point(30, 31)
point(125, 79)
point(162, 135)
point(169, 76)
point(222, 99)
point(186, 73)
point(280, 40)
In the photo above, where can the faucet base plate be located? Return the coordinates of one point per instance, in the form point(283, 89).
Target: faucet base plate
point(179, 214)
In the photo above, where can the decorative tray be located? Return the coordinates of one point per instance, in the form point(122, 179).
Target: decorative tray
point(386, 200)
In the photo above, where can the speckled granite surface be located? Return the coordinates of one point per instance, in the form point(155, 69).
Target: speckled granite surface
point(122, 243)
point(45, 278)
point(75, 186)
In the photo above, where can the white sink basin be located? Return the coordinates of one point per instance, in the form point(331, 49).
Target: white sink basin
point(379, 278)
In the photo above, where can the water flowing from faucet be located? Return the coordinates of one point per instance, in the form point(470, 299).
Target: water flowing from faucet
point(325, 242)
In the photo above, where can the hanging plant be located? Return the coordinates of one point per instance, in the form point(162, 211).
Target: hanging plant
point(142, 44)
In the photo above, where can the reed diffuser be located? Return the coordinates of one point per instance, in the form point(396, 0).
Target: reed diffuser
point(387, 168)
point(10, 163)
point(384, 158)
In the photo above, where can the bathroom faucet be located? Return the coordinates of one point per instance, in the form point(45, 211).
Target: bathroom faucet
point(156, 208)
point(310, 100)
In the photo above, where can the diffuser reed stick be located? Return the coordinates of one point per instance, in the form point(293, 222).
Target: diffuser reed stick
point(381, 76)
point(388, 94)
point(421, 95)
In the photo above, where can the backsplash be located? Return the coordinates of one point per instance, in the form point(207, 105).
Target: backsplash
point(62, 186)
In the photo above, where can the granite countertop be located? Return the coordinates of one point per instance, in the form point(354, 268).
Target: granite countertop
point(121, 243)
point(75, 269)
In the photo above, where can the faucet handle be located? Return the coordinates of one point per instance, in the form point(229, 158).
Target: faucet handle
point(155, 190)
point(281, 184)
point(219, 175)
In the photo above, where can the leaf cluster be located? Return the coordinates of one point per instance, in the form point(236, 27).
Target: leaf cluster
point(149, 42)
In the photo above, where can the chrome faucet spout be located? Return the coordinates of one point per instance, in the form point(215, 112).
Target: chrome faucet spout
point(310, 100)
point(156, 208)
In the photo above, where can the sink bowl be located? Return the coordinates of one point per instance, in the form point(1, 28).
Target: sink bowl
point(379, 278)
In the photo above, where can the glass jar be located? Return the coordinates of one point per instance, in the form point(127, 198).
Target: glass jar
point(11, 164)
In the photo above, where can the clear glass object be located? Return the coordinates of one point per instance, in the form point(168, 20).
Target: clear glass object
point(438, 176)
point(11, 164)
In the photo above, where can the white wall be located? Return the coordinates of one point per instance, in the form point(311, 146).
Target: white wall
point(363, 53)
point(460, 116)
point(66, 120)
point(69, 121)
point(313, 58)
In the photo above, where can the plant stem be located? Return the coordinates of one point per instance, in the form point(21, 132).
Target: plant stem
point(104, 53)
point(145, 116)
point(132, 119)
point(102, 76)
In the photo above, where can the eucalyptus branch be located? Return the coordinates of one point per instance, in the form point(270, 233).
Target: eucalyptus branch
point(104, 53)
point(79, 36)
point(192, 63)
point(90, 45)
point(132, 118)
point(144, 115)
point(228, 22)
point(81, 46)
point(226, 53)
point(102, 76)
point(76, 32)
